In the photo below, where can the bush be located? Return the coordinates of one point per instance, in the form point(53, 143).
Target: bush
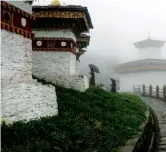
point(93, 121)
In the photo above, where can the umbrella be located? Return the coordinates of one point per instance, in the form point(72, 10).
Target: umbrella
point(94, 67)
point(114, 79)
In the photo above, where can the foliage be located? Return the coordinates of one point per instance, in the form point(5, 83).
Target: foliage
point(93, 121)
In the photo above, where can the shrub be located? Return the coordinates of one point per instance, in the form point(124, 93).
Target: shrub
point(93, 121)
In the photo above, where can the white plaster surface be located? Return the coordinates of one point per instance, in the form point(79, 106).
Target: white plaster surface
point(73, 65)
point(20, 4)
point(55, 33)
point(76, 82)
point(86, 82)
point(60, 68)
point(21, 97)
point(28, 102)
point(53, 63)
point(127, 80)
point(149, 52)
point(16, 58)
point(77, 67)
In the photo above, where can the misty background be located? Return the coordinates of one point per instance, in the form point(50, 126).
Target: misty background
point(118, 24)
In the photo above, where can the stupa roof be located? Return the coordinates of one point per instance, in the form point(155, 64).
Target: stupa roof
point(149, 43)
point(83, 39)
point(141, 65)
point(66, 8)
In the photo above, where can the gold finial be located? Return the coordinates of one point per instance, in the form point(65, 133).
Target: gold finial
point(55, 3)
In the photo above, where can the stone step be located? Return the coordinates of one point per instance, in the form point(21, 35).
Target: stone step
point(163, 139)
point(163, 132)
point(162, 142)
point(162, 147)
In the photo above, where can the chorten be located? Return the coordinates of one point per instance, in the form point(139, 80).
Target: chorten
point(149, 48)
point(148, 69)
point(56, 50)
point(22, 98)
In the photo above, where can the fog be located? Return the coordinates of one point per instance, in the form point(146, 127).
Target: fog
point(118, 24)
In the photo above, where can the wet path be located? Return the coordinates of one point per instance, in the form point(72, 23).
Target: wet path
point(159, 108)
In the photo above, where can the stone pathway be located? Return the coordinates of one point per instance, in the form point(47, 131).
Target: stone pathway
point(159, 108)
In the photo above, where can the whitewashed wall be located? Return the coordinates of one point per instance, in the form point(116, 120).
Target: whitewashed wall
point(77, 68)
point(149, 52)
point(16, 58)
point(53, 63)
point(86, 82)
point(76, 82)
point(58, 62)
point(27, 102)
point(58, 68)
point(55, 34)
point(21, 97)
point(127, 80)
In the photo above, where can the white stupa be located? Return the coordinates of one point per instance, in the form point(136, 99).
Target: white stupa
point(148, 69)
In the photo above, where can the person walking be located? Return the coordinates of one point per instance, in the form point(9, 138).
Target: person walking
point(113, 86)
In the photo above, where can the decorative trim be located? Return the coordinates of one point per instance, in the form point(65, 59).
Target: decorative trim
point(17, 10)
point(53, 45)
point(82, 44)
point(56, 14)
point(17, 30)
point(53, 38)
point(55, 50)
point(16, 20)
point(83, 40)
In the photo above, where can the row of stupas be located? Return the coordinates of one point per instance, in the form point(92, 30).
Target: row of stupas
point(43, 42)
point(149, 68)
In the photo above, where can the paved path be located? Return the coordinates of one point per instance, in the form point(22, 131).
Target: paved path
point(159, 108)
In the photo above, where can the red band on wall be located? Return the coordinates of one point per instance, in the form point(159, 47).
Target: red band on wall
point(53, 44)
point(16, 20)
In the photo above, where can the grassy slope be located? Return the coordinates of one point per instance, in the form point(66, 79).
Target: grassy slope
point(94, 121)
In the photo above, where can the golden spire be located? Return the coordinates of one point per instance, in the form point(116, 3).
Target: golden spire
point(55, 3)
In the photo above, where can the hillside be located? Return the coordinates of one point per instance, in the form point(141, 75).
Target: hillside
point(94, 121)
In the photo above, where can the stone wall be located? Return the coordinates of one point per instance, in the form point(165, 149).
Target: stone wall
point(21, 97)
point(58, 68)
point(27, 102)
point(77, 68)
point(53, 63)
point(76, 82)
point(16, 62)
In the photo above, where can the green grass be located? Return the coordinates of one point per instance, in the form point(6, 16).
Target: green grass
point(94, 121)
